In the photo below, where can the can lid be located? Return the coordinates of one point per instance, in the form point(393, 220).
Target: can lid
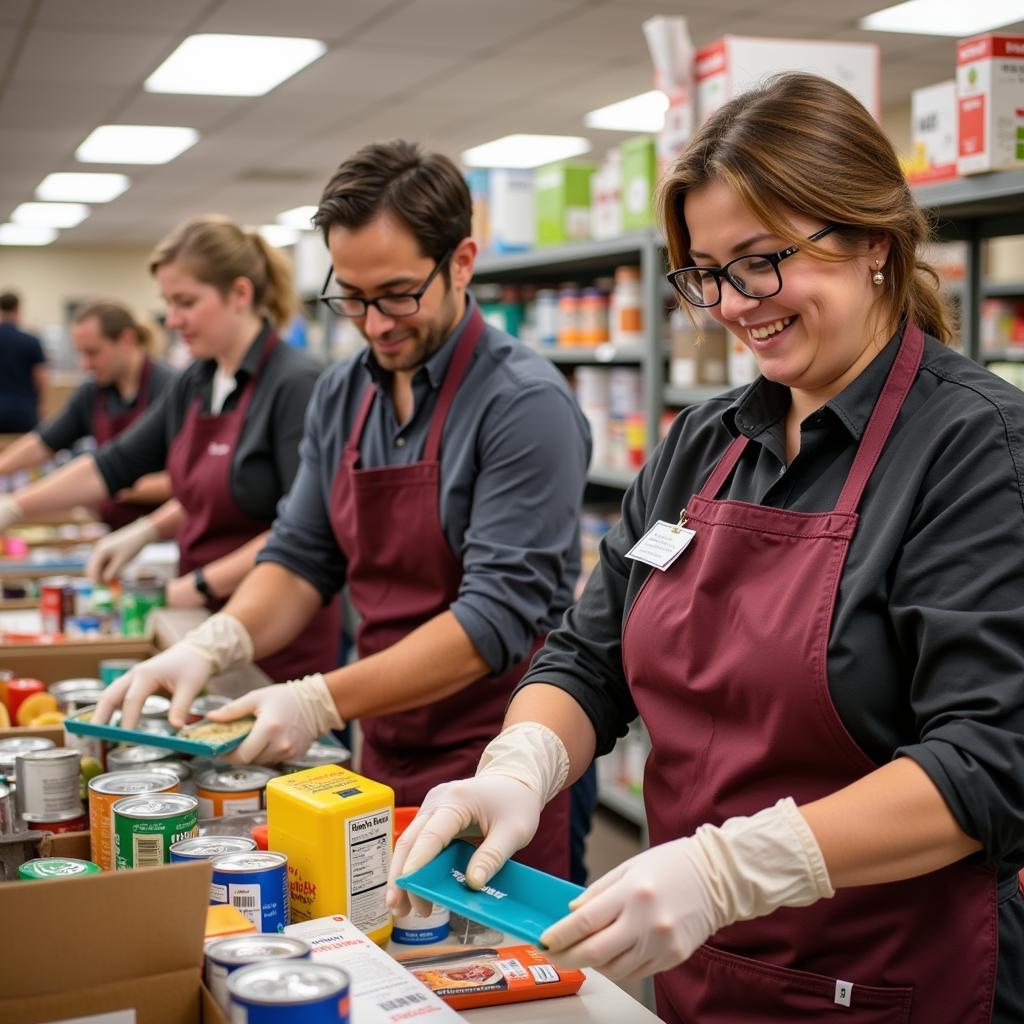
point(208, 847)
point(155, 805)
point(231, 780)
point(57, 867)
point(251, 860)
point(288, 982)
point(251, 949)
point(151, 780)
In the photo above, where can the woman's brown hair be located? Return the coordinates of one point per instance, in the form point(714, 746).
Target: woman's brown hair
point(801, 143)
point(114, 319)
point(217, 251)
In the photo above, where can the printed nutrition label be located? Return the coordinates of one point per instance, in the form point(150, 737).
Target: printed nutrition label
point(368, 839)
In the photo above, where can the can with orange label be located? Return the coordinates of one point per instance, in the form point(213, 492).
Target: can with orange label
point(105, 791)
point(227, 790)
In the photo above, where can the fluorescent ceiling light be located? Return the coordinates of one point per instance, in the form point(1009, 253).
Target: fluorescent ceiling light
point(229, 65)
point(944, 17)
point(643, 113)
point(135, 144)
point(279, 235)
point(82, 188)
point(50, 215)
point(525, 150)
point(23, 234)
point(298, 218)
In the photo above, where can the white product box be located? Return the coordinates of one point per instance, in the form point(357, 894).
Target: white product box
point(606, 197)
point(933, 133)
point(990, 103)
point(383, 991)
point(735, 64)
point(511, 208)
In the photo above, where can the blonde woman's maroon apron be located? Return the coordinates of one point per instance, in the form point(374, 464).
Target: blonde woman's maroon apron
point(105, 427)
point(401, 574)
point(726, 655)
point(199, 461)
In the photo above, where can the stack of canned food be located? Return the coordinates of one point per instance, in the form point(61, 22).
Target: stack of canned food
point(78, 607)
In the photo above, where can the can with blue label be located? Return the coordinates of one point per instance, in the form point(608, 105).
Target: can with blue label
point(225, 956)
point(209, 847)
point(257, 884)
point(289, 990)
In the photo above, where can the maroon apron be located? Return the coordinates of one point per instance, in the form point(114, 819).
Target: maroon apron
point(726, 657)
point(105, 427)
point(199, 461)
point(402, 573)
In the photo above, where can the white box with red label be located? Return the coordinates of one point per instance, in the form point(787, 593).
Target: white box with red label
point(933, 115)
point(735, 64)
point(990, 103)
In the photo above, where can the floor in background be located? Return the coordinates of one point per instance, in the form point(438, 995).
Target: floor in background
point(613, 840)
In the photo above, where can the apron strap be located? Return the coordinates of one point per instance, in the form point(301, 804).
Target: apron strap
point(452, 380)
point(142, 398)
point(356, 433)
point(883, 416)
point(725, 466)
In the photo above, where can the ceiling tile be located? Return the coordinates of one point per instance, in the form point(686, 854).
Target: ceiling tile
point(332, 20)
point(118, 14)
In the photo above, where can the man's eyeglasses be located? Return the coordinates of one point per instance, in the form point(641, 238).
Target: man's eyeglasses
point(757, 276)
point(387, 305)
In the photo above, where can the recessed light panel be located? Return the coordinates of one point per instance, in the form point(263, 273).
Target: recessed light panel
point(135, 144)
point(525, 150)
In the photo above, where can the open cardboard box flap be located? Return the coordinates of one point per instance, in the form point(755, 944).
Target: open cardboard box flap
point(74, 659)
point(117, 941)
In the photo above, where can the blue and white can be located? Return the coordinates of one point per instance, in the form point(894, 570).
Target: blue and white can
point(225, 956)
point(292, 991)
point(255, 882)
point(209, 847)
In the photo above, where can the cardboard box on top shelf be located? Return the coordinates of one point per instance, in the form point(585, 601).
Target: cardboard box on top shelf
point(990, 103)
point(562, 198)
point(510, 206)
point(734, 64)
point(128, 942)
point(933, 134)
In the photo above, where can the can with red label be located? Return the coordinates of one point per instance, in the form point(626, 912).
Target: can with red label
point(59, 823)
point(56, 602)
point(18, 690)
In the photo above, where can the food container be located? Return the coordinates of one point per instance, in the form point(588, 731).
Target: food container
point(270, 993)
point(74, 694)
point(224, 791)
point(256, 883)
point(140, 594)
point(56, 867)
point(48, 784)
point(146, 827)
point(107, 790)
point(225, 956)
point(208, 847)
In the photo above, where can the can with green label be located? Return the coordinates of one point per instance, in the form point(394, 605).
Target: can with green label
point(139, 596)
point(146, 826)
point(56, 867)
point(114, 668)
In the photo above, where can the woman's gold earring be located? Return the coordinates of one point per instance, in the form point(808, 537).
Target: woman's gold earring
point(878, 277)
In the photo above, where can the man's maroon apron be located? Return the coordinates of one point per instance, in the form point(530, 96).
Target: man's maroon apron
point(401, 574)
point(105, 427)
point(199, 461)
point(726, 656)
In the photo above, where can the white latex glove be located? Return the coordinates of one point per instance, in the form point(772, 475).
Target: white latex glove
point(656, 909)
point(110, 554)
point(519, 772)
point(10, 513)
point(288, 719)
point(219, 643)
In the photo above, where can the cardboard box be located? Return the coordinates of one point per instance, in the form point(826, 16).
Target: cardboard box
point(639, 176)
point(75, 659)
point(120, 941)
point(562, 197)
point(990, 103)
point(510, 209)
point(735, 64)
point(933, 133)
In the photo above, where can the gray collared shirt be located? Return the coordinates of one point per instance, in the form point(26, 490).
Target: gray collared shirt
point(514, 455)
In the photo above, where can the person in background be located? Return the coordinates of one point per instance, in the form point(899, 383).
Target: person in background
point(227, 432)
point(442, 474)
point(22, 370)
point(114, 348)
point(820, 625)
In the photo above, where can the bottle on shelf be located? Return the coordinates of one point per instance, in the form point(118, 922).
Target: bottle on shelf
point(627, 321)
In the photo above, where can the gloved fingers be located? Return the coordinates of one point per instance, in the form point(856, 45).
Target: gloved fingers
point(182, 697)
point(435, 834)
point(143, 685)
point(599, 886)
point(398, 900)
point(111, 700)
point(601, 948)
point(572, 929)
point(258, 746)
point(504, 838)
point(635, 962)
point(244, 705)
point(645, 970)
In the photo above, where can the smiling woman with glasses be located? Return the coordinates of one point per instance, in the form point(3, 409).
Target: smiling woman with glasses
point(813, 601)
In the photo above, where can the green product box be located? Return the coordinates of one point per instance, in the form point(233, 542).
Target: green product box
point(639, 176)
point(562, 197)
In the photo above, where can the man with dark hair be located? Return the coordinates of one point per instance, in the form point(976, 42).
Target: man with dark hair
point(22, 370)
point(441, 480)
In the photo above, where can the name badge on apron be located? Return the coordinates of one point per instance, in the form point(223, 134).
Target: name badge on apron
point(662, 544)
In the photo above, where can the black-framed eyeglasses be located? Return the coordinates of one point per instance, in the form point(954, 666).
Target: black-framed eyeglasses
point(757, 275)
point(388, 305)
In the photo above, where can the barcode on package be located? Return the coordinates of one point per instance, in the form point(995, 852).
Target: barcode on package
point(397, 1004)
point(511, 968)
point(544, 974)
point(147, 851)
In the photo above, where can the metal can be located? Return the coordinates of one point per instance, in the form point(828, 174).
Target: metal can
point(208, 847)
point(139, 596)
point(74, 694)
point(70, 822)
point(81, 625)
point(225, 956)
point(18, 691)
point(155, 706)
point(202, 706)
point(224, 791)
point(289, 990)
point(146, 827)
point(82, 589)
point(257, 884)
point(7, 814)
point(156, 726)
point(122, 758)
point(317, 755)
point(13, 747)
point(48, 784)
point(56, 867)
point(107, 790)
point(56, 602)
point(114, 668)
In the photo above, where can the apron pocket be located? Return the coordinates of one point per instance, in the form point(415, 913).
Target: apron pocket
point(737, 988)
